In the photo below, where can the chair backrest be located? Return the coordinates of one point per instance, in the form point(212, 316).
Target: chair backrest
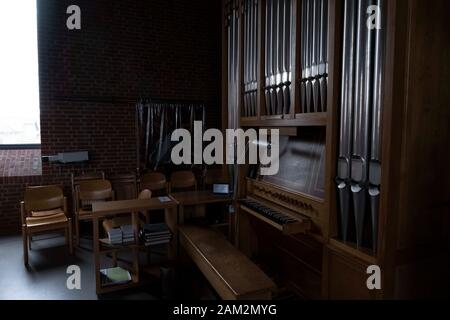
point(86, 177)
point(94, 190)
point(124, 186)
point(153, 181)
point(182, 180)
point(76, 180)
point(145, 195)
point(43, 198)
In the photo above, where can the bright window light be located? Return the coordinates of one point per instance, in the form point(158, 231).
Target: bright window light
point(19, 79)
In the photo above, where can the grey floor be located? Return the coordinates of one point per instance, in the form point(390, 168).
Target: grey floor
point(45, 278)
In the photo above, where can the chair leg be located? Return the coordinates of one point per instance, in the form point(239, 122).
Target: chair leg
point(25, 245)
point(114, 257)
point(30, 239)
point(69, 231)
point(77, 231)
point(147, 221)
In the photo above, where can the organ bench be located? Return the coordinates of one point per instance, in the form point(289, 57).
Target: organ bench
point(231, 273)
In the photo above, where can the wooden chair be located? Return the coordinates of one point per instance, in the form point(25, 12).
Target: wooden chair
point(76, 180)
point(44, 210)
point(155, 182)
point(145, 195)
point(124, 186)
point(182, 180)
point(121, 220)
point(86, 193)
point(86, 177)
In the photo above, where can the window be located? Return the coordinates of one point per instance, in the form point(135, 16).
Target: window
point(19, 80)
point(19, 90)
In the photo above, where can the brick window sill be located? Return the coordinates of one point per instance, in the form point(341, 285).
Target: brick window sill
point(20, 163)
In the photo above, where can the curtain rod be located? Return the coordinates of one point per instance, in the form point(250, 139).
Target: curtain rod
point(96, 99)
point(175, 101)
point(100, 99)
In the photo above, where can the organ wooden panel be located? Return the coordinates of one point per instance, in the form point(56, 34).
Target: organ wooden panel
point(348, 278)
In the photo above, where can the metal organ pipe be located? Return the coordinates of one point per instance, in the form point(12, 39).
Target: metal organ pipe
point(361, 127)
point(273, 89)
point(250, 58)
point(233, 83)
point(279, 53)
point(268, 64)
point(233, 50)
point(278, 64)
point(375, 155)
point(323, 55)
point(359, 155)
point(314, 55)
point(346, 132)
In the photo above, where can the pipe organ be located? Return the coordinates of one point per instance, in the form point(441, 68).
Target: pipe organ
point(278, 53)
point(355, 87)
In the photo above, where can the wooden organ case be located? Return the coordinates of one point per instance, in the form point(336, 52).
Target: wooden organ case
point(361, 114)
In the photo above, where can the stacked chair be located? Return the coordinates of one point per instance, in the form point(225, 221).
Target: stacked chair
point(182, 180)
point(155, 182)
point(44, 210)
point(124, 186)
point(87, 192)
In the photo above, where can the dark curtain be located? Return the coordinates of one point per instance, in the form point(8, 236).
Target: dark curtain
point(156, 120)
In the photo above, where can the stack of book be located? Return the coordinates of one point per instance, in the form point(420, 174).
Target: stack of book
point(115, 236)
point(121, 235)
point(114, 276)
point(127, 234)
point(153, 234)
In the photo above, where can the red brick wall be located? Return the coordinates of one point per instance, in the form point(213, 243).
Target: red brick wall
point(91, 78)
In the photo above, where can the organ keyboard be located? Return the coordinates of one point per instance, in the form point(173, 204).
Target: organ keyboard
point(285, 222)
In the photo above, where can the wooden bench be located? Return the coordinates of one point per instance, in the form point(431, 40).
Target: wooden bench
point(232, 274)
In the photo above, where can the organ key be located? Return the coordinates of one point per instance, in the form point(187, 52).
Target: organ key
point(284, 222)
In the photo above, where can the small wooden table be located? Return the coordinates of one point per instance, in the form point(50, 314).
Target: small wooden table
point(198, 199)
point(102, 210)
